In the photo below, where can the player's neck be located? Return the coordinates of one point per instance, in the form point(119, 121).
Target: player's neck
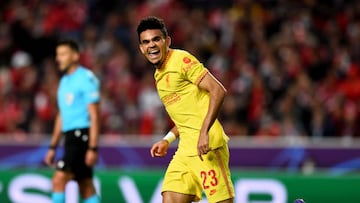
point(162, 63)
point(72, 69)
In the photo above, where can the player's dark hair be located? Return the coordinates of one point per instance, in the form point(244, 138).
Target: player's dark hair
point(72, 44)
point(152, 23)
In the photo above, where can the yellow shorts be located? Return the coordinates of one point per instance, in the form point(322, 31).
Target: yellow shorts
point(190, 175)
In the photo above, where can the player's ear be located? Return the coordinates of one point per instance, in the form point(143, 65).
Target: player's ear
point(168, 41)
point(142, 49)
point(76, 56)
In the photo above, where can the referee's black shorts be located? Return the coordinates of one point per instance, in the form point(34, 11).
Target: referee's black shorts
point(75, 148)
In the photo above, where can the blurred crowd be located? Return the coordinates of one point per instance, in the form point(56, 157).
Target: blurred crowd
point(291, 67)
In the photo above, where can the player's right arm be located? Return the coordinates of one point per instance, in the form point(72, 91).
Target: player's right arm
point(56, 135)
point(159, 149)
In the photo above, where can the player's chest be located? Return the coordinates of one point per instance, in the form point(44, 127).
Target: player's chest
point(171, 81)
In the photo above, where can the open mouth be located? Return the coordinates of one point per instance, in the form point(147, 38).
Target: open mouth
point(153, 53)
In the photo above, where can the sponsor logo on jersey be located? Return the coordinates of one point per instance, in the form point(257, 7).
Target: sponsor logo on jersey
point(186, 60)
point(212, 192)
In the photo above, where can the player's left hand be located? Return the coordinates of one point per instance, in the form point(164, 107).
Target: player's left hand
point(91, 157)
point(203, 145)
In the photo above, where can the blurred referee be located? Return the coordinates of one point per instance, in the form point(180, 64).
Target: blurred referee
point(78, 120)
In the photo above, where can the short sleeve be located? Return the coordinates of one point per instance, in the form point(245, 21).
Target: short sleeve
point(91, 88)
point(193, 70)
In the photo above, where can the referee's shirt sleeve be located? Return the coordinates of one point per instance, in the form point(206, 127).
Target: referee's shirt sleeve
point(91, 89)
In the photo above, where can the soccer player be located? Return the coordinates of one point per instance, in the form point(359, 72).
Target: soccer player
point(192, 98)
point(78, 120)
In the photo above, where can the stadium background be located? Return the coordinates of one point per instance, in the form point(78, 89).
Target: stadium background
point(291, 68)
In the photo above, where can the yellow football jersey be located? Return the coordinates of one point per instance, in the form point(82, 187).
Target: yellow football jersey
point(187, 105)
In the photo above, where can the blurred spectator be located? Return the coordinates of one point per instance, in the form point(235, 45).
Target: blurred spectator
point(287, 73)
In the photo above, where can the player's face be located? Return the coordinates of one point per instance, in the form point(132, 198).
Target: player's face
point(66, 57)
point(154, 46)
